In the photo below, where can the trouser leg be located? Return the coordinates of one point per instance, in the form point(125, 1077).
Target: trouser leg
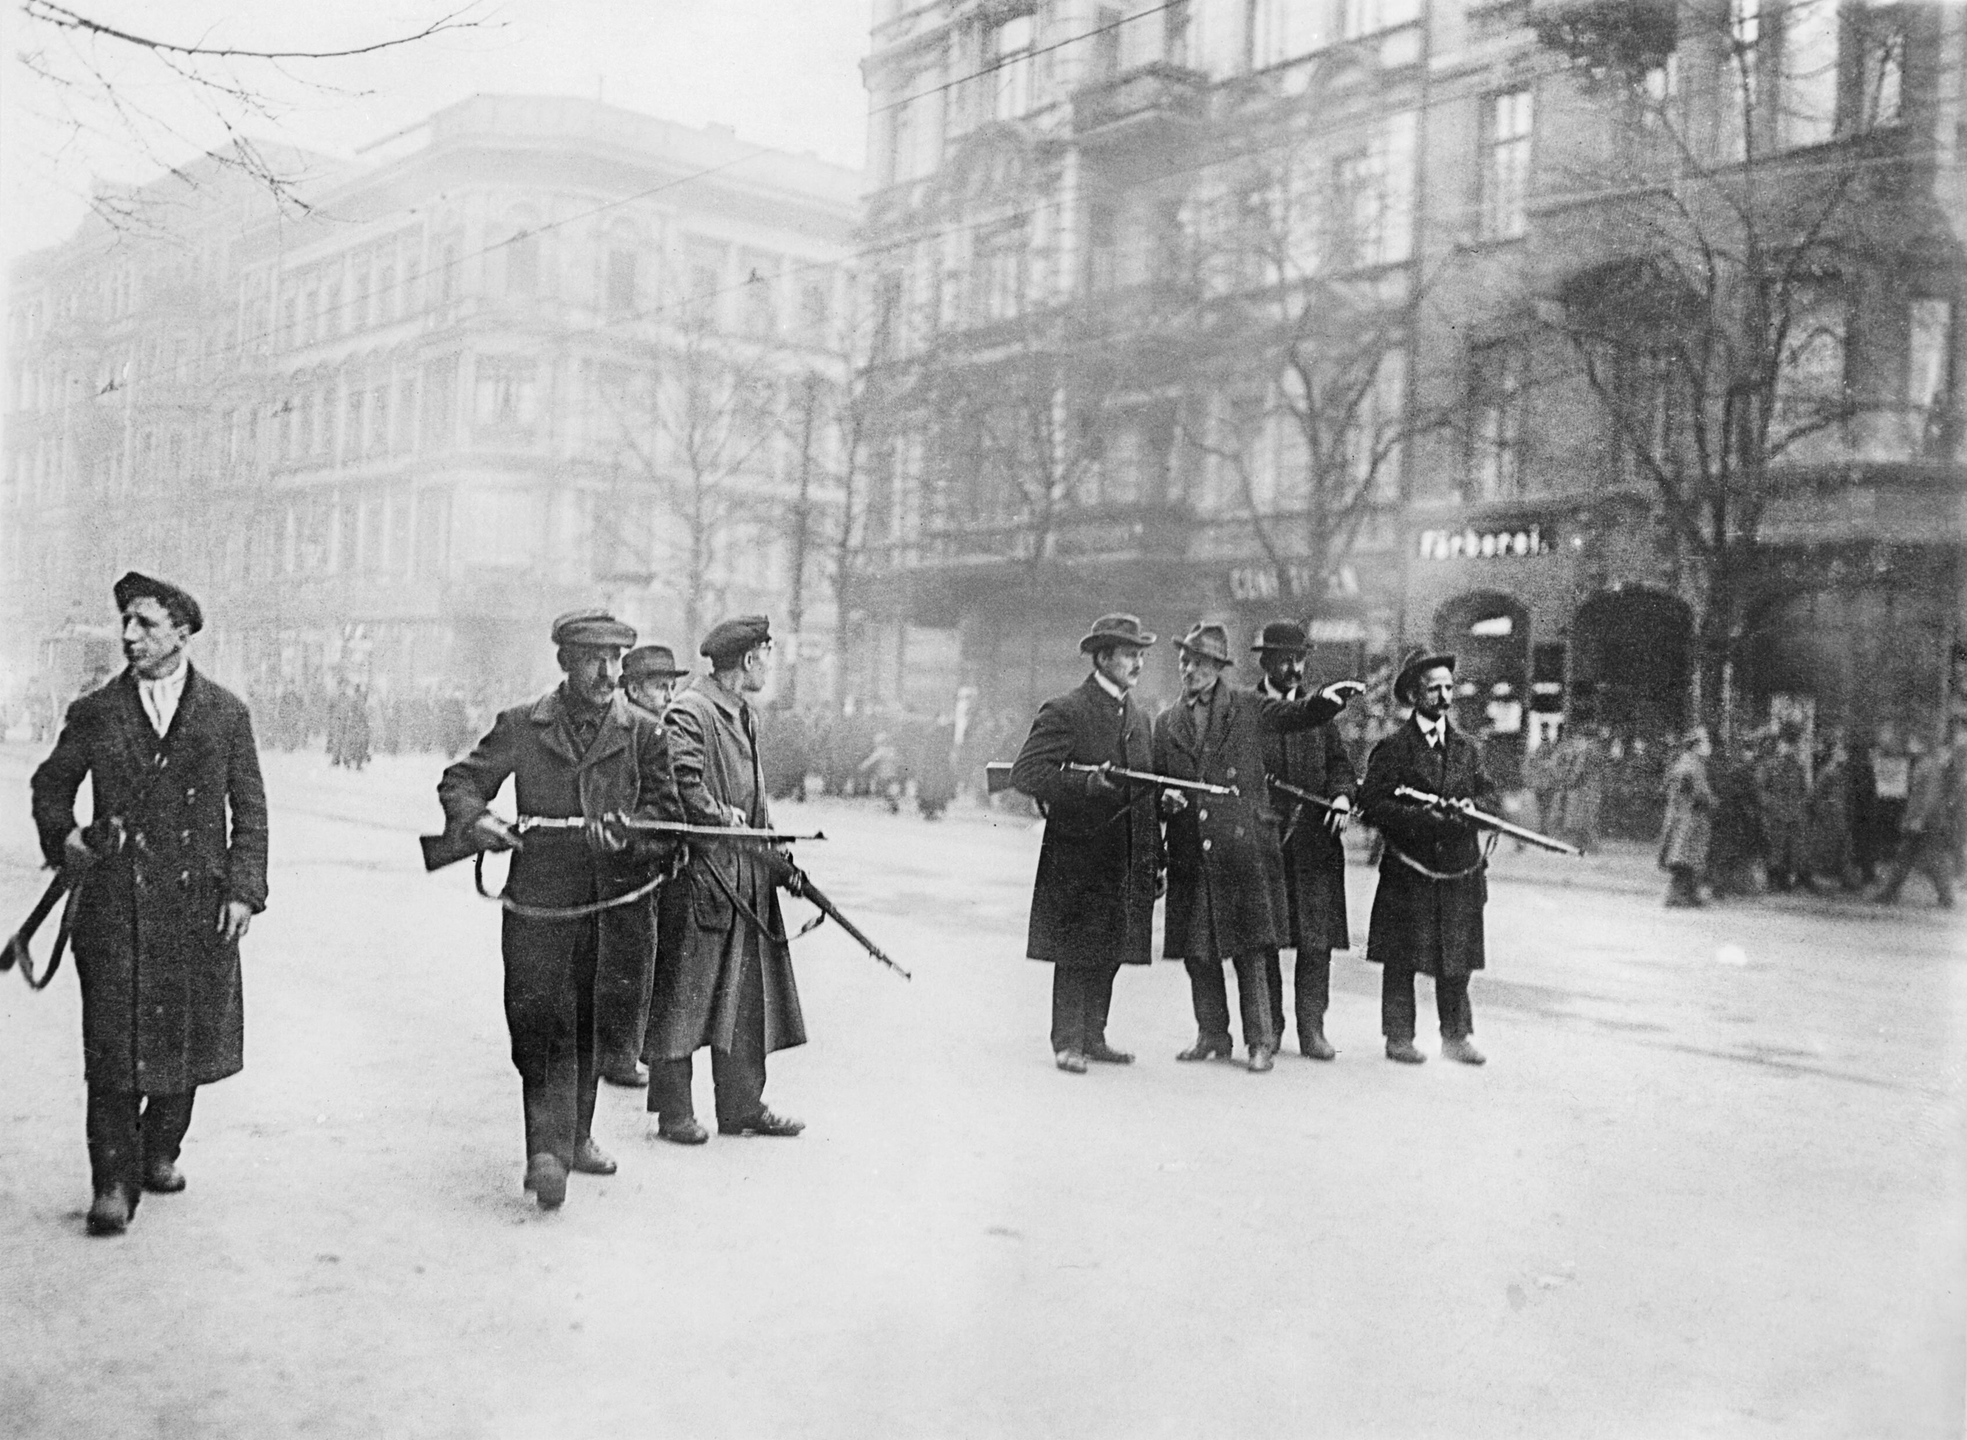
point(1210, 997)
point(1397, 1002)
point(739, 1073)
point(1681, 889)
point(1068, 1008)
point(549, 1006)
point(621, 1007)
point(1452, 1008)
point(1097, 997)
point(1311, 984)
point(165, 1120)
point(670, 1083)
point(115, 1143)
point(1253, 999)
point(1273, 968)
point(587, 1057)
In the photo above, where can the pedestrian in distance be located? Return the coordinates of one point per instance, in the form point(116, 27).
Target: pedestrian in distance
point(1100, 863)
point(1310, 841)
point(1782, 796)
point(724, 964)
point(1829, 853)
point(576, 897)
point(1689, 820)
point(883, 768)
point(1926, 828)
point(1226, 895)
point(1427, 911)
point(166, 880)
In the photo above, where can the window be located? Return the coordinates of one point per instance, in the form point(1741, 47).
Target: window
point(761, 296)
point(915, 124)
point(1506, 171)
point(440, 385)
point(816, 309)
point(1174, 32)
point(1372, 435)
point(1278, 30)
point(620, 299)
point(1806, 95)
point(1930, 380)
point(1498, 411)
point(355, 408)
point(1369, 17)
point(704, 265)
point(507, 393)
point(359, 301)
point(1810, 371)
point(385, 294)
point(379, 421)
point(1372, 209)
point(999, 273)
point(1878, 72)
point(1007, 47)
point(522, 264)
point(404, 435)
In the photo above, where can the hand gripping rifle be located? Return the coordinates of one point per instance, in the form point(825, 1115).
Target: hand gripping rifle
point(997, 777)
point(1482, 820)
point(104, 837)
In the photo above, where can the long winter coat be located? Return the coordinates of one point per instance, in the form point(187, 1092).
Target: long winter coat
point(1689, 814)
point(1422, 924)
point(1314, 858)
point(624, 769)
point(1226, 893)
point(1831, 852)
point(161, 1004)
point(1100, 863)
point(1782, 796)
point(713, 752)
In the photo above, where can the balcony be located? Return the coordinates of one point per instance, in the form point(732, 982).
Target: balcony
point(1154, 102)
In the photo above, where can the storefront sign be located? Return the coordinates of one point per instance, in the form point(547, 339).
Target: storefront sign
point(1486, 544)
point(1295, 580)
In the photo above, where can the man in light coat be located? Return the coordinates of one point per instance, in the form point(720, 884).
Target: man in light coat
point(166, 883)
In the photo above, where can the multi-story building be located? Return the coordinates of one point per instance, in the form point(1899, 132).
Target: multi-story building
point(533, 353)
point(1390, 314)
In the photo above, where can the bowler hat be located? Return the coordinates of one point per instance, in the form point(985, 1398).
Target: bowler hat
point(1417, 661)
point(650, 662)
point(729, 639)
point(1111, 630)
point(1209, 641)
point(182, 608)
point(594, 626)
point(1286, 635)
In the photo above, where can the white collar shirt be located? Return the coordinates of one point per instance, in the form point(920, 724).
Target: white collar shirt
point(1112, 689)
point(160, 698)
point(1435, 732)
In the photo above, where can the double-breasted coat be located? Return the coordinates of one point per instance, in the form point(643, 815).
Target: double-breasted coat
point(1099, 864)
point(1689, 814)
point(724, 905)
point(1313, 857)
point(1433, 926)
point(623, 769)
point(162, 1009)
point(1226, 894)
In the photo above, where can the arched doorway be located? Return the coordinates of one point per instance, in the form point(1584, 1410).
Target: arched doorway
point(1489, 634)
point(1631, 656)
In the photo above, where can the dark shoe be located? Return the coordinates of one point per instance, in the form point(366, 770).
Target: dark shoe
point(629, 1077)
point(110, 1214)
point(763, 1123)
point(686, 1131)
point(1404, 1052)
point(1464, 1051)
point(1070, 1061)
point(591, 1159)
point(1208, 1047)
point(161, 1177)
point(1260, 1060)
point(1107, 1055)
point(546, 1177)
point(1314, 1045)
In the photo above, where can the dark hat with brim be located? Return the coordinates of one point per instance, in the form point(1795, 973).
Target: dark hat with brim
point(650, 662)
point(182, 608)
point(1411, 668)
point(730, 639)
point(595, 627)
point(1111, 630)
point(1211, 642)
point(1284, 635)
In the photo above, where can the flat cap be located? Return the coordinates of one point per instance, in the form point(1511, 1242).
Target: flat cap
point(183, 609)
point(592, 627)
point(730, 638)
point(650, 662)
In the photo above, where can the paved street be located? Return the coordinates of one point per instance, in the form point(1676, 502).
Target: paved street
point(1710, 1184)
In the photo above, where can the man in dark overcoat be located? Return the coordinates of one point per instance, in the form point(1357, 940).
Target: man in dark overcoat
point(723, 963)
point(1226, 896)
point(579, 751)
point(1099, 867)
point(1427, 912)
point(166, 882)
point(1309, 841)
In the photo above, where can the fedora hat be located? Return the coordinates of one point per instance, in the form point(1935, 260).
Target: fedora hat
point(650, 662)
point(1115, 630)
point(1209, 641)
point(1287, 635)
point(1410, 668)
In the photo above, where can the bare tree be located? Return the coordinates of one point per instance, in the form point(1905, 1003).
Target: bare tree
point(1712, 333)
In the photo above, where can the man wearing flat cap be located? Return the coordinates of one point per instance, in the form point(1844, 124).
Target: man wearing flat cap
point(166, 880)
point(1099, 866)
point(723, 965)
point(1309, 840)
point(579, 751)
point(1226, 896)
point(1427, 912)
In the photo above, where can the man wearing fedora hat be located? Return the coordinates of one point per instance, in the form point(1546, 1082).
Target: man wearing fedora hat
point(1309, 841)
point(649, 676)
point(581, 750)
point(1226, 895)
point(166, 880)
point(1099, 867)
point(1427, 911)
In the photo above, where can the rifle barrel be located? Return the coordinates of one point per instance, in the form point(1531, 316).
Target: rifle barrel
point(664, 827)
point(1168, 782)
point(826, 907)
point(1485, 820)
point(1299, 793)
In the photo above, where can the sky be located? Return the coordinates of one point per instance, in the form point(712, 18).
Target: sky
point(783, 73)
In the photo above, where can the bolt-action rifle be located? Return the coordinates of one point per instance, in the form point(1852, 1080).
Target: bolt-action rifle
point(453, 846)
point(1464, 811)
point(997, 778)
